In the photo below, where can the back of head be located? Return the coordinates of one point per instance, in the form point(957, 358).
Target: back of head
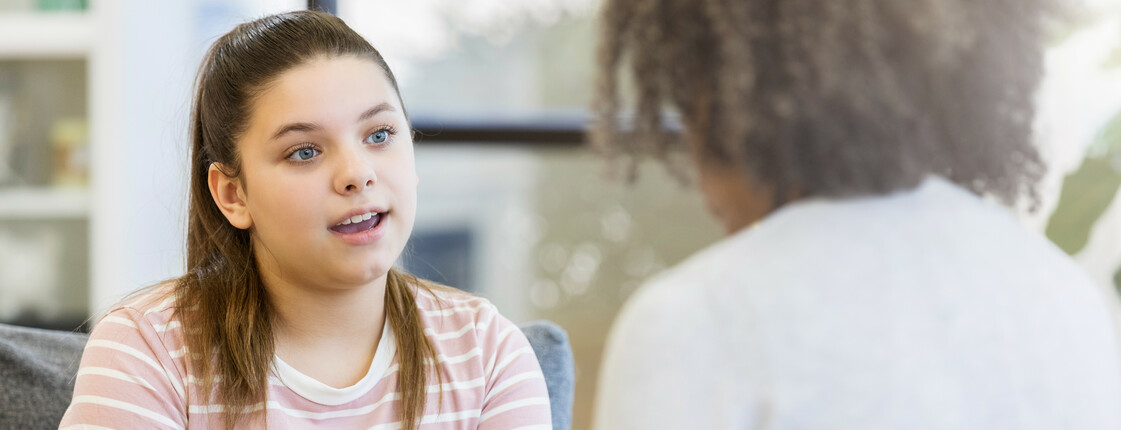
point(835, 98)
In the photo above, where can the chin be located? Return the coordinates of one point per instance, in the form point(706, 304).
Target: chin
point(371, 276)
point(354, 275)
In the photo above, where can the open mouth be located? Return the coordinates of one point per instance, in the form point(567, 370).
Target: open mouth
point(358, 223)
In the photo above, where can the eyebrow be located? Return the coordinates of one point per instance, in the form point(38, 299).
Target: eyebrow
point(311, 126)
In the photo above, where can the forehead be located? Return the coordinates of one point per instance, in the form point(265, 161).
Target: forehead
point(324, 90)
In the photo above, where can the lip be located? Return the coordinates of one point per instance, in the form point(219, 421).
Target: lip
point(364, 237)
point(360, 211)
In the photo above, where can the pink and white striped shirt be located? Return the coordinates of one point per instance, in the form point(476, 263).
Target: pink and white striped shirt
point(134, 375)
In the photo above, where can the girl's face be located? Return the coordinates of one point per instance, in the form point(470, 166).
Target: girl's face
point(328, 181)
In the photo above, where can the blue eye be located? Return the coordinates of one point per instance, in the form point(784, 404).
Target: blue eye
point(379, 136)
point(304, 154)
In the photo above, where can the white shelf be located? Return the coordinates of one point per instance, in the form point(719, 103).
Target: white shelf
point(43, 203)
point(35, 35)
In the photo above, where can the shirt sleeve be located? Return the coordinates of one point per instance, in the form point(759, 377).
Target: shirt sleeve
point(128, 378)
point(516, 396)
point(666, 367)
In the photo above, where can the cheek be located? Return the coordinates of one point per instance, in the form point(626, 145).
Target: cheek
point(402, 178)
point(282, 200)
point(405, 188)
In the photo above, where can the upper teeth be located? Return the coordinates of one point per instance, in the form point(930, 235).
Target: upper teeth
point(358, 218)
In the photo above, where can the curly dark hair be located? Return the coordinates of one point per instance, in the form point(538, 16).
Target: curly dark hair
point(832, 98)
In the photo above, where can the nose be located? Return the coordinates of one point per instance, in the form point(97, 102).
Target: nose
point(355, 172)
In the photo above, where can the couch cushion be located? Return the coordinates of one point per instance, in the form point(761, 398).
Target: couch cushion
point(37, 370)
point(550, 343)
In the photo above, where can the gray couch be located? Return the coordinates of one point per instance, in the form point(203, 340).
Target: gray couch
point(37, 369)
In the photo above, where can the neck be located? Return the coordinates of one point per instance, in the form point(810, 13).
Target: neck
point(309, 313)
point(329, 332)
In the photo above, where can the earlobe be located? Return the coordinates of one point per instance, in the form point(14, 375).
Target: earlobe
point(228, 195)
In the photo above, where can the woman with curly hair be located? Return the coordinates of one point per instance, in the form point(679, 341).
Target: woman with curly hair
point(856, 152)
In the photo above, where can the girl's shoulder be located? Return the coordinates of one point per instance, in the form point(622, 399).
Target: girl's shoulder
point(450, 308)
point(432, 296)
point(150, 306)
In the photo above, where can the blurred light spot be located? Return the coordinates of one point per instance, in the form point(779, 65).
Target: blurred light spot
point(552, 257)
point(616, 225)
point(587, 255)
point(544, 294)
point(575, 282)
point(581, 270)
point(524, 226)
point(577, 277)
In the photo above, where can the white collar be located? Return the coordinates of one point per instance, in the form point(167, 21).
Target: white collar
point(318, 392)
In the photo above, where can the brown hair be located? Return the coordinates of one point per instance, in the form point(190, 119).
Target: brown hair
point(221, 301)
point(834, 98)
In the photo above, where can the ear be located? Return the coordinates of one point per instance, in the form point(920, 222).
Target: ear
point(230, 197)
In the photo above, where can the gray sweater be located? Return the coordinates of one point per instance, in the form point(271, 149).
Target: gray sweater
point(927, 309)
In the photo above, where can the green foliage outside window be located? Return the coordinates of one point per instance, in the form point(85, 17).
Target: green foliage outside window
point(1088, 192)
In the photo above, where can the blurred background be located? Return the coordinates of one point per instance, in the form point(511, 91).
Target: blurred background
point(95, 94)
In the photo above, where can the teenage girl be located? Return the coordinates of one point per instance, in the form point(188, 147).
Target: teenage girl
point(291, 315)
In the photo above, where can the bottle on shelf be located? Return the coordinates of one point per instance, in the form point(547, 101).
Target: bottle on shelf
point(70, 167)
